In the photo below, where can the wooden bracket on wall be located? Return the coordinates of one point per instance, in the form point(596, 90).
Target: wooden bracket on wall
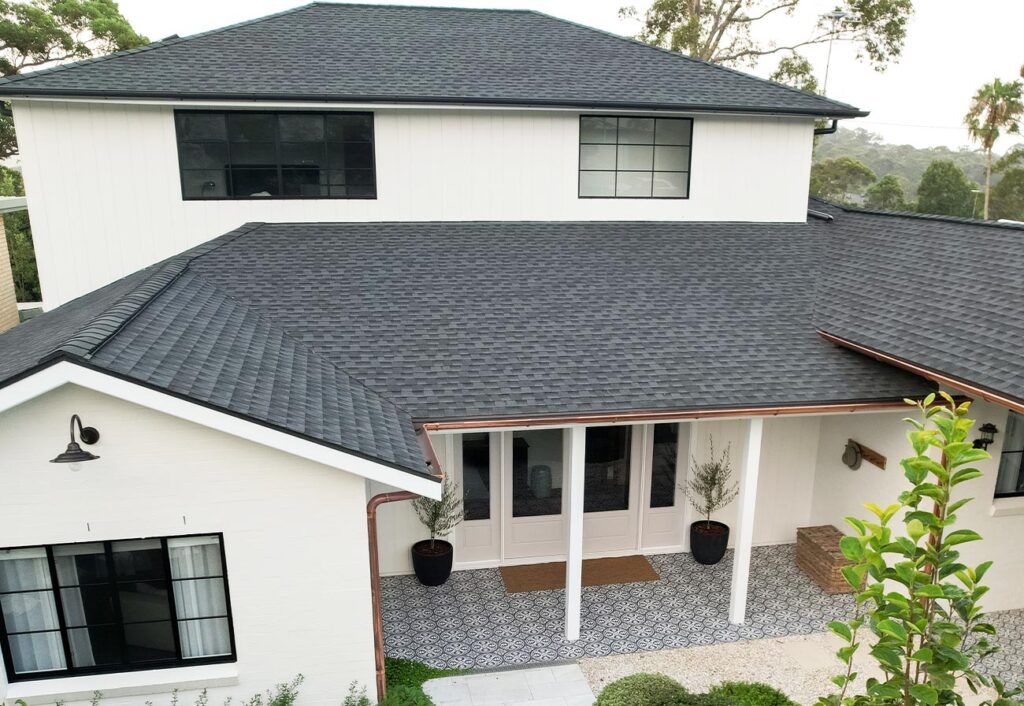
point(870, 455)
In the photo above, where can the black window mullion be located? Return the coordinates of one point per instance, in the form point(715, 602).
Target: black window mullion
point(59, 607)
point(277, 153)
point(229, 185)
point(115, 597)
point(170, 599)
point(220, 539)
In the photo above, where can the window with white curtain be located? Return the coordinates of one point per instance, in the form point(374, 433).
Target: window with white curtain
point(114, 606)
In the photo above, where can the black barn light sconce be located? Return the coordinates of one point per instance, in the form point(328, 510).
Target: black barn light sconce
point(74, 453)
point(988, 432)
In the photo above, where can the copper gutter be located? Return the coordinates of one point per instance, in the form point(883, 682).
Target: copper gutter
point(933, 375)
point(662, 415)
point(378, 619)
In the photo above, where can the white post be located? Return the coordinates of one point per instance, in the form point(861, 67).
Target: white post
point(745, 523)
point(574, 555)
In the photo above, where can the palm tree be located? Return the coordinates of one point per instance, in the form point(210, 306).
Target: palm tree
point(996, 106)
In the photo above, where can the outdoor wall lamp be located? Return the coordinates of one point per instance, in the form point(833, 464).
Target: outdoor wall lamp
point(988, 432)
point(75, 454)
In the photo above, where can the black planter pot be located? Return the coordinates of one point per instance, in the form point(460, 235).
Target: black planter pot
point(707, 544)
point(432, 567)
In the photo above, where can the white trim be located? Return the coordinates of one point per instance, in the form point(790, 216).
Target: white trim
point(64, 373)
point(377, 105)
point(574, 563)
point(745, 523)
point(1006, 507)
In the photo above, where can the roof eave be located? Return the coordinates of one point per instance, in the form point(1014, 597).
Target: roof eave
point(835, 112)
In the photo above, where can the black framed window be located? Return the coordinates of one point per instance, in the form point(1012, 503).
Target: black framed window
point(606, 469)
point(476, 476)
point(275, 155)
point(71, 609)
point(663, 465)
point(634, 157)
point(1010, 482)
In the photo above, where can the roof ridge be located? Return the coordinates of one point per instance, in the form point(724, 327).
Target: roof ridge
point(696, 60)
point(91, 337)
point(402, 6)
point(920, 216)
point(159, 44)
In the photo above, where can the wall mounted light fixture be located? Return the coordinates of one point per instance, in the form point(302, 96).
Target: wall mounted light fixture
point(988, 432)
point(74, 453)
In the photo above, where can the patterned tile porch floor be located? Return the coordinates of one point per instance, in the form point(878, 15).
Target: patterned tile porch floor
point(472, 623)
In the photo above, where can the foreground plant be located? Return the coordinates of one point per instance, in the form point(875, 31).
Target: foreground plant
point(930, 633)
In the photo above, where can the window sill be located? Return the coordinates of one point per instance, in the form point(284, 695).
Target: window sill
point(140, 683)
point(1005, 507)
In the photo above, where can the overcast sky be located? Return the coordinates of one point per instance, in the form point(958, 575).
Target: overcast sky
point(952, 48)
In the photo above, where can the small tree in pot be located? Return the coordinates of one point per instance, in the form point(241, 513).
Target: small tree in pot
point(708, 490)
point(432, 558)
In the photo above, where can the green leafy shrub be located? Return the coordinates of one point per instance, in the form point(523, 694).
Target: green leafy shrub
point(356, 696)
point(705, 700)
point(404, 695)
point(743, 693)
point(643, 689)
point(407, 672)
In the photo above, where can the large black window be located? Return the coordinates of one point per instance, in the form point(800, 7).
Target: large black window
point(245, 155)
point(1010, 482)
point(72, 609)
point(634, 157)
point(606, 469)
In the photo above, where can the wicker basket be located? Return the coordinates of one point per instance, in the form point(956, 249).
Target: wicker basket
point(818, 555)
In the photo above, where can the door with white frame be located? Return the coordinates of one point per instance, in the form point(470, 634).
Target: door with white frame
point(665, 510)
point(611, 489)
point(534, 505)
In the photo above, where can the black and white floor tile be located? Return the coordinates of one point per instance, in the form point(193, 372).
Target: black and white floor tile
point(472, 623)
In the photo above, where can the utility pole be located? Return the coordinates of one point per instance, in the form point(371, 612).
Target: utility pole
point(836, 16)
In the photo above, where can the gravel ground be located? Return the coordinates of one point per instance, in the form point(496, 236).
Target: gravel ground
point(800, 665)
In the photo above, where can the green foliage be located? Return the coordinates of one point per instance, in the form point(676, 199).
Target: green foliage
point(407, 672)
point(946, 191)
point(886, 194)
point(35, 33)
point(708, 488)
point(840, 180)
point(918, 605)
point(723, 31)
point(751, 694)
point(796, 71)
point(440, 517)
point(283, 694)
point(643, 689)
point(356, 696)
point(996, 108)
point(406, 696)
point(19, 240)
point(1008, 196)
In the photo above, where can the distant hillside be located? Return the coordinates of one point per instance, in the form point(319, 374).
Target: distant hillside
point(905, 161)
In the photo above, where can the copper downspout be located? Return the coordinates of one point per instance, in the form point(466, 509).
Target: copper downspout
point(928, 373)
point(662, 415)
point(378, 620)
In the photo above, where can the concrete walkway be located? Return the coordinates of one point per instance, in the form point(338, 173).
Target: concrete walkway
point(555, 685)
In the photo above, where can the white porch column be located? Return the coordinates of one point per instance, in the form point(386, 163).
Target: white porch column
point(745, 523)
point(574, 555)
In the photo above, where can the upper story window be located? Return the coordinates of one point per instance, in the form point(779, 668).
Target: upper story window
point(1010, 482)
point(72, 609)
point(635, 158)
point(264, 155)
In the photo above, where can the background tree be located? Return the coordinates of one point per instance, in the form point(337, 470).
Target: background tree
point(35, 33)
point(796, 71)
point(995, 108)
point(722, 31)
point(840, 180)
point(19, 241)
point(1008, 196)
point(945, 190)
point(886, 194)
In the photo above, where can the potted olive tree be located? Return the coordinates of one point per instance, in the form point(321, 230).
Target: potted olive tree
point(432, 558)
point(708, 489)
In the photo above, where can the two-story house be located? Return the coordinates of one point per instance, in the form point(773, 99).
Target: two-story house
point(299, 268)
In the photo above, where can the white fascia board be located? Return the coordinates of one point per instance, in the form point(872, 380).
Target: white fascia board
point(397, 105)
point(67, 373)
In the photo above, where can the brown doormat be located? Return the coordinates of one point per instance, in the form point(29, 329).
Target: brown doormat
point(596, 572)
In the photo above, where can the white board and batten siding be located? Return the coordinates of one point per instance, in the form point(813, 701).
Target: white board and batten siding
point(294, 539)
point(105, 197)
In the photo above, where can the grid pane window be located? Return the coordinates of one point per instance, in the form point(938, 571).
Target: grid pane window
point(270, 155)
point(113, 606)
point(1010, 482)
point(635, 157)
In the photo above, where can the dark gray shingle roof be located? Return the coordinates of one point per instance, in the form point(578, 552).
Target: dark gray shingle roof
point(376, 53)
point(170, 329)
point(946, 294)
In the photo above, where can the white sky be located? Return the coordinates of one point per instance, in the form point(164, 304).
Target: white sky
point(952, 48)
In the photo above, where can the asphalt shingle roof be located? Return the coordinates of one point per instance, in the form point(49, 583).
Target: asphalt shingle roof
point(945, 294)
point(381, 53)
